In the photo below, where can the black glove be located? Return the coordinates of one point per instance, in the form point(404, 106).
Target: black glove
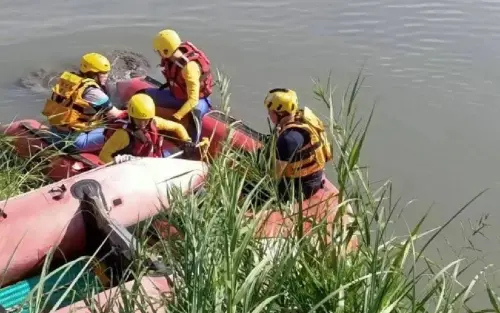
point(189, 148)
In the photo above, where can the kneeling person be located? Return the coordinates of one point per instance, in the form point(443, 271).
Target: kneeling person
point(140, 137)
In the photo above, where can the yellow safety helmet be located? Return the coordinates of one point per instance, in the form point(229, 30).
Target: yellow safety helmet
point(141, 106)
point(166, 42)
point(94, 62)
point(282, 100)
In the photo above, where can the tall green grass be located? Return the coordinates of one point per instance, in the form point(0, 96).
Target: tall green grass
point(220, 266)
point(17, 175)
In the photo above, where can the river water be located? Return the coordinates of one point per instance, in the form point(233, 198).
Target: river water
point(432, 67)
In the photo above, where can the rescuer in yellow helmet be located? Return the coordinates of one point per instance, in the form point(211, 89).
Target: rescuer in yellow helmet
point(302, 147)
point(188, 75)
point(139, 137)
point(79, 105)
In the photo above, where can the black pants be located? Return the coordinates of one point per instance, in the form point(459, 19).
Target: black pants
point(302, 188)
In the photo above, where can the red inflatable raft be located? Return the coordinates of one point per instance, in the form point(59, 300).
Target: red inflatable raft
point(29, 135)
point(36, 221)
point(130, 189)
point(215, 125)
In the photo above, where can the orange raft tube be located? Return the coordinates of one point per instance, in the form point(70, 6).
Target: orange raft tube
point(215, 125)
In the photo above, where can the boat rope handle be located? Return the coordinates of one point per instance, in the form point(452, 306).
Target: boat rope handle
point(58, 192)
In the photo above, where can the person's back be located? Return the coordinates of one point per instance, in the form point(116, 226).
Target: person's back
point(302, 148)
point(288, 149)
point(68, 108)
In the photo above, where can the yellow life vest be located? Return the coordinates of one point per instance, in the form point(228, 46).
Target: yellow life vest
point(66, 106)
point(316, 153)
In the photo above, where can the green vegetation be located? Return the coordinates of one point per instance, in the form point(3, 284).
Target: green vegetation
point(219, 265)
point(17, 175)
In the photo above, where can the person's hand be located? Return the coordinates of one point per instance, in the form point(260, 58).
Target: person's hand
point(123, 158)
point(122, 115)
point(176, 117)
point(189, 148)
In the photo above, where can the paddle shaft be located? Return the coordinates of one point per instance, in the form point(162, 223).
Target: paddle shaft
point(178, 153)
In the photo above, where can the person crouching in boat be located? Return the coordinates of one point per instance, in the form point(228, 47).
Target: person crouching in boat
point(139, 137)
point(302, 145)
point(79, 105)
point(188, 78)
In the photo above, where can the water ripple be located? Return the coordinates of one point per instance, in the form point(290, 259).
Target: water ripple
point(424, 46)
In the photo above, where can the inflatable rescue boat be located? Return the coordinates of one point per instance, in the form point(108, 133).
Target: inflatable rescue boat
point(216, 125)
point(115, 250)
point(31, 138)
point(50, 216)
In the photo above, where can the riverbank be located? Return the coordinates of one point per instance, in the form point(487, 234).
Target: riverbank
point(219, 267)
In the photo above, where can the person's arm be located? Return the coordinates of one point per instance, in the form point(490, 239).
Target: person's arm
point(177, 128)
point(191, 73)
point(114, 113)
point(101, 102)
point(287, 147)
point(119, 140)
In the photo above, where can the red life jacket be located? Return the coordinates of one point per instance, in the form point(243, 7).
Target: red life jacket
point(113, 126)
point(172, 71)
point(152, 147)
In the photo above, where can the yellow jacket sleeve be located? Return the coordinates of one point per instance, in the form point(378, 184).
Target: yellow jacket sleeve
point(191, 73)
point(177, 128)
point(116, 142)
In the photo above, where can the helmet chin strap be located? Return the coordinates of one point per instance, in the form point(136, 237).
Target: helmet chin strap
point(140, 132)
point(94, 76)
point(280, 116)
point(277, 126)
point(132, 121)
